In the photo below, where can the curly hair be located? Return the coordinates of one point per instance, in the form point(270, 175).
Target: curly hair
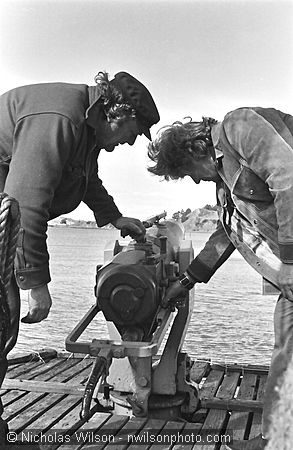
point(115, 107)
point(177, 145)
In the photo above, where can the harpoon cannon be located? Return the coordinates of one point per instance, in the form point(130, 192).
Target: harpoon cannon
point(130, 287)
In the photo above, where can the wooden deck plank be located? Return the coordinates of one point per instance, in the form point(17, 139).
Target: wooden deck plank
point(43, 369)
point(52, 416)
point(31, 398)
point(228, 387)
point(49, 370)
point(261, 387)
point(212, 383)
point(256, 425)
point(243, 368)
point(212, 426)
point(63, 372)
point(42, 373)
point(199, 370)
point(55, 421)
point(80, 431)
point(35, 365)
point(14, 399)
point(13, 396)
point(105, 433)
point(72, 431)
point(44, 386)
point(51, 421)
point(33, 412)
point(152, 426)
point(62, 427)
point(208, 390)
point(44, 354)
point(233, 404)
point(257, 417)
point(22, 369)
point(238, 421)
point(169, 432)
point(58, 433)
point(216, 420)
point(72, 420)
point(13, 367)
point(188, 429)
point(17, 407)
point(59, 412)
point(132, 427)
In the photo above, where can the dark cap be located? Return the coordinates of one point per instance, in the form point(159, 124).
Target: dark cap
point(140, 98)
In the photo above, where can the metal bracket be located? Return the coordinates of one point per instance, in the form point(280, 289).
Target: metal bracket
point(119, 348)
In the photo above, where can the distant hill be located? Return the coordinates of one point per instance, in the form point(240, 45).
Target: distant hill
point(201, 219)
point(68, 222)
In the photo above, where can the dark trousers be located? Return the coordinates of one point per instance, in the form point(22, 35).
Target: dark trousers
point(282, 355)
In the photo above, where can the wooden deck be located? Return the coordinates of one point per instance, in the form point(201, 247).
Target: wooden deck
point(42, 399)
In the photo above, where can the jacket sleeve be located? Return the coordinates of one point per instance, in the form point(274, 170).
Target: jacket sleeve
point(99, 201)
point(41, 146)
point(215, 252)
point(265, 144)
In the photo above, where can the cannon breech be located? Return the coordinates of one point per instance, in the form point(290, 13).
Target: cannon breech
point(148, 377)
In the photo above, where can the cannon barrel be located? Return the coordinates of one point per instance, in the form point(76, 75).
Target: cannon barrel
point(130, 287)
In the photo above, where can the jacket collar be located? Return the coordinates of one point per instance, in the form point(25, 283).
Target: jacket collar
point(94, 113)
point(215, 133)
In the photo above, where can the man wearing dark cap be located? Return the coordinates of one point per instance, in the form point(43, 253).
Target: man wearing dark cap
point(50, 137)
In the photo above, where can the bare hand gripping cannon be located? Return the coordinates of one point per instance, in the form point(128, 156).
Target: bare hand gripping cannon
point(130, 287)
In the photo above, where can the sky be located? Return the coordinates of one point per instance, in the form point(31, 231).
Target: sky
point(197, 58)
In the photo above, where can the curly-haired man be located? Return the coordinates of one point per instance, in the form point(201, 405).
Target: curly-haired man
point(249, 155)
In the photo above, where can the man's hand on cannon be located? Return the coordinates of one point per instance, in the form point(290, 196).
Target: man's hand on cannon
point(39, 305)
point(177, 293)
point(130, 226)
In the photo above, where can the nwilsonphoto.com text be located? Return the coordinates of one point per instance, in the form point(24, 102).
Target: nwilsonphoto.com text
point(146, 437)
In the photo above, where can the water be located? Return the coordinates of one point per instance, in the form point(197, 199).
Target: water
point(231, 321)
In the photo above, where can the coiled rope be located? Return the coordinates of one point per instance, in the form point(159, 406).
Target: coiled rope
point(9, 229)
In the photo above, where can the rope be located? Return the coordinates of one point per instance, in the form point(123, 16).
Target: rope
point(9, 228)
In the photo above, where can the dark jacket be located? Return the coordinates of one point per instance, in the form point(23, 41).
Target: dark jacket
point(254, 147)
point(48, 159)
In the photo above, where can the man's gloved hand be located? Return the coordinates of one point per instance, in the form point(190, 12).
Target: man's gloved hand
point(176, 294)
point(130, 226)
point(39, 305)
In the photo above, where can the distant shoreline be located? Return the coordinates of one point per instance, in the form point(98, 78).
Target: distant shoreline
point(200, 220)
point(65, 227)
